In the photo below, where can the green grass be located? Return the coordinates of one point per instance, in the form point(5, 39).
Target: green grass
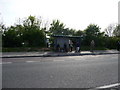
point(24, 49)
point(32, 49)
point(87, 48)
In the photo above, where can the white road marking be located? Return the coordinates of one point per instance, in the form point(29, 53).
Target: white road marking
point(31, 61)
point(79, 59)
point(58, 60)
point(6, 63)
point(18, 58)
point(108, 86)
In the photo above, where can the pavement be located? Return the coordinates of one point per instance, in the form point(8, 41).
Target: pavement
point(55, 54)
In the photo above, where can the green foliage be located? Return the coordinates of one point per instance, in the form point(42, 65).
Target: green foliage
point(57, 28)
point(72, 32)
point(111, 42)
point(117, 31)
point(29, 34)
point(92, 32)
point(87, 48)
point(25, 49)
point(79, 33)
point(11, 38)
point(33, 35)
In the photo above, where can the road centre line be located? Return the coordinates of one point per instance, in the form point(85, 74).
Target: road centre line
point(31, 61)
point(58, 60)
point(18, 58)
point(6, 63)
point(108, 86)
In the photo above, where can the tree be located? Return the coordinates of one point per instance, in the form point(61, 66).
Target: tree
point(92, 32)
point(72, 32)
point(79, 33)
point(11, 37)
point(33, 34)
point(116, 31)
point(109, 30)
point(57, 28)
point(29, 34)
point(2, 28)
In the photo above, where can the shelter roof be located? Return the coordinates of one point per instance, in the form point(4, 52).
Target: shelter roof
point(66, 36)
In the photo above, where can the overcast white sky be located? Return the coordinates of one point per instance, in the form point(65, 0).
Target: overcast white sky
point(76, 14)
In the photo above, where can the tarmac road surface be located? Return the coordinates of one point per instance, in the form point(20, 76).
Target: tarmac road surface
point(92, 71)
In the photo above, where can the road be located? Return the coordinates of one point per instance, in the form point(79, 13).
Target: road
point(60, 72)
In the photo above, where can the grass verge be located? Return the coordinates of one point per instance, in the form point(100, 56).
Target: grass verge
point(32, 49)
point(25, 49)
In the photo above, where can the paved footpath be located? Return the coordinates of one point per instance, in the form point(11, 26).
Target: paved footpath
point(55, 54)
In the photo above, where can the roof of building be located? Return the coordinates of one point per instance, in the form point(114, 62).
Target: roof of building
point(67, 36)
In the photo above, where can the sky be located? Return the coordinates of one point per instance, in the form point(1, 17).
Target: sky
point(76, 14)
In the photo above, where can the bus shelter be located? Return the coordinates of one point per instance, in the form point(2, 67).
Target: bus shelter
point(63, 43)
